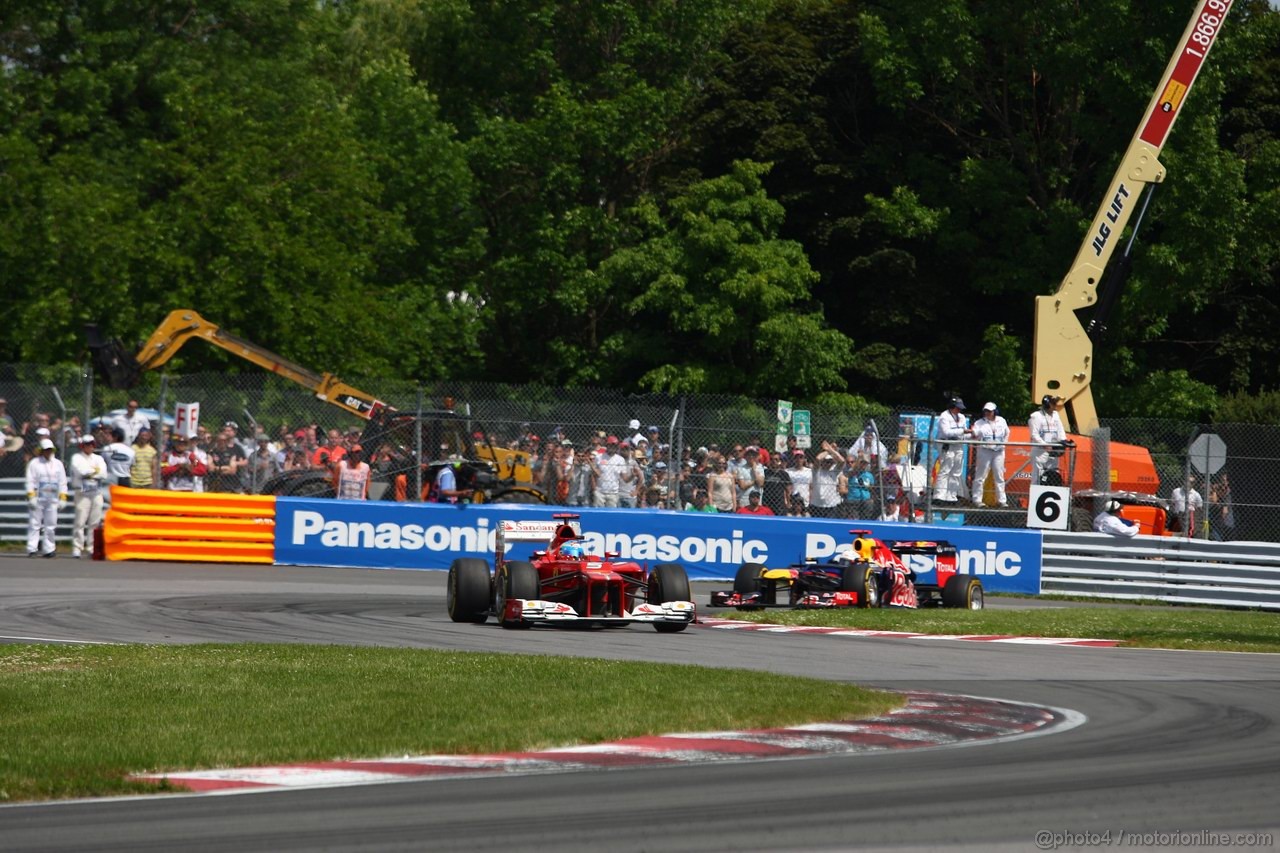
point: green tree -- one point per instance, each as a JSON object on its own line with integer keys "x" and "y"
{"x": 712, "y": 282}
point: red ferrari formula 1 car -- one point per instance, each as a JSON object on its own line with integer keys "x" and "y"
{"x": 564, "y": 584}
{"x": 869, "y": 573}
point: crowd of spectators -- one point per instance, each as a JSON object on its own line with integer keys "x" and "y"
{"x": 635, "y": 469}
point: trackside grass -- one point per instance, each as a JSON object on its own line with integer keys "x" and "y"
{"x": 75, "y": 720}
{"x": 1150, "y": 627}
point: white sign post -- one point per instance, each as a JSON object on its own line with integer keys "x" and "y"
{"x": 800, "y": 428}
{"x": 1048, "y": 507}
{"x": 1208, "y": 453}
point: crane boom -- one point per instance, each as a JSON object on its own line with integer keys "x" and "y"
{"x": 183, "y": 325}
{"x": 1063, "y": 351}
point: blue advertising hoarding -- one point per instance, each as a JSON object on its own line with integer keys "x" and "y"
{"x": 378, "y": 534}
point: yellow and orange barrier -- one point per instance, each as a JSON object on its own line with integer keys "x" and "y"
{"x": 205, "y": 527}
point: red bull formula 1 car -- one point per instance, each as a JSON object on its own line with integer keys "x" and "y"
{"x": 564, "y": 583}
{"x": 869, "y": 573}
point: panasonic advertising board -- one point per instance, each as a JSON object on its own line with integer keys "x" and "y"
{"x": 377, "y": 535}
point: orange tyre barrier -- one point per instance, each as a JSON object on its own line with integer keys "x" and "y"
{"x": 158, "y": 501}
{"x": 120, "y": 526}
{"x": 212, "y": 527}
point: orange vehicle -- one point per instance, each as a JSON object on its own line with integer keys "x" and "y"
{"x": 1131, "y": 467}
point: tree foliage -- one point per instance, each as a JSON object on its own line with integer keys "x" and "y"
{"x": 851, "y": 198}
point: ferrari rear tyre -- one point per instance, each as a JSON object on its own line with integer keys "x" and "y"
{"x": 516, "y": 579}
{"x": 962, "y": 592}
{"x": 668, "y": 582}
{"x": 467, "y": 595}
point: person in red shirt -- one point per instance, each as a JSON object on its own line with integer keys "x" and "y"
{"x": 753, "y": 505}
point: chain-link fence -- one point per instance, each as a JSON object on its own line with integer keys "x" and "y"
{"x": 672, "y": 446}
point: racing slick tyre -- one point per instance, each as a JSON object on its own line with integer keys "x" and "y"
{"x": 516, "y": 579}
{"x": 747, "y": 580}
{"x": 467, "y": 593}
{"x": 962, "y": 592}
{"x": 861, "y": 578}
{"x": 668, "y": 582}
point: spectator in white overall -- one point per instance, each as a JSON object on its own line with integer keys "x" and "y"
{"x": 953, "y": 427}
{"x": 1047, "y": 433}
{"x": 46, "y": 494}
{"x": 88, "y": 479}
{"x": 991, "y": 431}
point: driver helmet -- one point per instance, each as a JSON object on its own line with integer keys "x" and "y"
{"x": 574, "y": 550}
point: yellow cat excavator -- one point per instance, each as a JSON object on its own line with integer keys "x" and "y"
{"x": 491, "y": 474}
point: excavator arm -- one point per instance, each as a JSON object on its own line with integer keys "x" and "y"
{"x": 1063, "y": 348}
{"x": 122, "y": 369}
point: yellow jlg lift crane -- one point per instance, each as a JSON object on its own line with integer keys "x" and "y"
{"x": 1063, "y": 347}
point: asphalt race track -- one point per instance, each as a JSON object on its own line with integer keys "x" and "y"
{"x": 1175, "y": 742}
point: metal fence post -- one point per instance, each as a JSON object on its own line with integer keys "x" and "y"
{"x": 417, "y": 480}
{"x": 158, "y": 434}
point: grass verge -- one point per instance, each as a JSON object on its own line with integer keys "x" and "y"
{"x": 1149, "y": 627}
{"x": 76, "y": 720}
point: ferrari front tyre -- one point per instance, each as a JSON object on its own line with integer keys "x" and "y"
{"x": 467, "y": 595}
{"x": 516, "y": 579}
{"x": 962, "y": 592}
{"x": 668, "y": 582}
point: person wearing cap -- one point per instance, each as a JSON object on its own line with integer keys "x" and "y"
{"x": 226, "y": 461}
{"x": 131, "y": 422}
{"x": 891, "y": 509}
{"x": 88, "y": 478}
{"x": 952, "y": 429}
{"x": 1047, "y": 433}
{"x": 991, "y": 431}
{"x": 351, "y": 475}
{"x": 753, "y": 505}
{"x": 183, "y": 467}
{"x": 657, "y": 494}
{"x": 1110, "y": 521}
{"x": 46, "y": 494}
